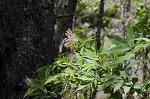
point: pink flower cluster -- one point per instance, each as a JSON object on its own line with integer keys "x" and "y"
{"x": 70, "y": 38}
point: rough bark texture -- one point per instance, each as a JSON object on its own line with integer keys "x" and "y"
{"x": 26, "y": 42}
{"x": 65, "y": 10}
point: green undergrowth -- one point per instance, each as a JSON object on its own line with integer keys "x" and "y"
{"x": 105, "y": 69}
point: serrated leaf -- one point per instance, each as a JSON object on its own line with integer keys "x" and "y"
{"x": 41, "y": 73}
{"x": 85, "y": 67}
{"x": 43, "y": 88}
{"x": 52, "y": 78}
{"x": 47, "y": 71}
{"x": 80, "y": 40}
{"x": 116, "y": 40}
{"x": 34, "y": 94}
{"x": 126, "y": 89}
{"x": 91, "y": 61}
{"x": 69, "y": 71}
{"x": 133, "y": 63}
{"x": 134, "y": 79}
{"x": 117, "y": 49}
{"x": 139, "y": 47}
{"x": 49, "y": 79}
{"x": 112, "y": 76}
{"x": 123, "y": 74}
{"x": 120, "y": 59}
{"x": 30, "y": 90}
{"x": 82, "y": 51}
{"x": 130, "y": 36}
{"x": 81, "y": 87}
{"x": 90, "y": 53}
{"x": 142, "y": 38}
{"x": 137, "y": 87}
{"x": 111, "y": 81}
{"x": 85, "y": 78}
{"x": 117, "y": 86}
{"x": 32, "y": 81}
{"x": 146, "y": 45}
{"x": 147, "y": 86}
{"x": 90, "y": 39}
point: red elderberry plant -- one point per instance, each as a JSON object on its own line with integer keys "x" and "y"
{"x": 70, "y": 38}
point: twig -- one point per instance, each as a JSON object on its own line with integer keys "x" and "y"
{"x": 64, "y": 15}
{"x": 100, "y": 24}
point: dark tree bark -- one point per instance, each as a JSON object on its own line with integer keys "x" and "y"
{"x": 65, "y": 11}
{"x": 26, "y": 42}
{"x": 100, "y": 24}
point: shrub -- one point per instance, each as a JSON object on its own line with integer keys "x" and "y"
{"x": 107, "y": 70}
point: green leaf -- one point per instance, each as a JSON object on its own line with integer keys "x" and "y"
{"x": 147, "y": 85}
{"x": 81, "y": 87}
{"x": 34, "y": 94}
{"x": 89, "y": 40}
{"x": 142, "y": 38}
{"x": 91, "y": 61}
{"x": 138, "y": 88}
{"x": 120, "y": 59}
{"x": 139, "y": 47}
{"x": 85, "y": 67}
{"x": 123, "y": 74}
{"x": 82, "y": 51}
{"x": 134, "y": 78}
{"x": 112, "y": 76}
{"x": 133, "y": 63}
{"x": 30, "y": 91}
{"x": 69, "y": 71}
{"x": 116, "y": 40}
{"x": 117, "y": 49}
{"x": 47, "y": 71}
{"x": 130, "y": 36}
{"x": 43, "y": 88}
{"x": 53, "y": 78}
{"x": 41, "y": 73}
{"x": 85, "y": 78}
{"x": 126, "y": 89}
{"x": 90, "y": 53}
{"x": 49, "y": 79}
{"x": 117, "y": 86}
{"x": 111, "y": 81}
{"x": 32, "y": 81}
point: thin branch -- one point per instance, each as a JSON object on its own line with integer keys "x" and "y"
{"x": 146, "y": 67}
{"x": 100, "y": 24}
{"x": 64, "y": 15}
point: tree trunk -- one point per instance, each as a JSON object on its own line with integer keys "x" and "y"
{"x": 65, "y": 10}
{"x": 26, "y": 42}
